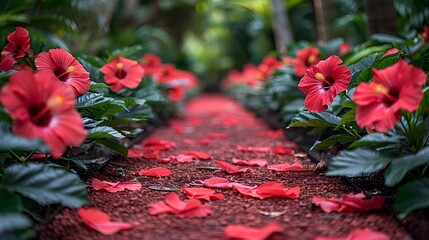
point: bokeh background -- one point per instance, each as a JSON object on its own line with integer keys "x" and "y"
{"x": 208, "y": 37}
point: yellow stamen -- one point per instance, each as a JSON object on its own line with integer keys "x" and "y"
{"x": 119, "y": 65}
{"x": 311, "y": 59}
{"x": 381, "y": 89}
{"x": 71, "y": 69}
{"x": 319, "y": 76}
{"x": 4, "y": 53}
{"x": 55, "y": 102}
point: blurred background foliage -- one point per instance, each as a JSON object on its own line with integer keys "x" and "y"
{"x": 208, "y": 37}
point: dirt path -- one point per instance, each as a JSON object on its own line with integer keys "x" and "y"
{"x": 217, "y": 114}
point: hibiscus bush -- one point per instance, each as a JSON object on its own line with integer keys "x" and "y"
{"x": 370, "y": 100}
{"x": 57, "y": 110}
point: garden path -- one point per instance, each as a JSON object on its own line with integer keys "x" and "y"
{"x": 205, "y": 115}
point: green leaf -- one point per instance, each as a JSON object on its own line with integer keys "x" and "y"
{"x": 110, "y": 143}
{"x": 399, "y": 167}
{"x": 45, "y": 185}
{"x": 377, "y": 140}
{"x": 413, "y": 195}
{"x": 9, "y": 202}
{"x": 125, "y": 52}
{"x": 385, "y": 38}
{"x": 331, "y": 141}
{"x": 356, "y": 162}
{"x": 95, "y": 85}
{"x": 103, "y": 132}
{"x": 91, "y": 100}
{"x": 78, "y": 163}
{"x": 366, "y": 52}
{"x": 10, "y": 222}
{"x": 90, "y": 123}
{"x": 349, "y": 116}
{"x": 9, "y": 141}
{"x": 309, "y": 119}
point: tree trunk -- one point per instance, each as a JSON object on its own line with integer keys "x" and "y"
{"x": 381, "y": 16}
{"x": 324, "y": 13}
{"x": 281, "y": 27}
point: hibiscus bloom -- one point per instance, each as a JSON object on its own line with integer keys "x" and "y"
{"x": 151, "y": 64}
{"x": 122, "y": 72}
{"x": 323, "y": 82}
{"x": 306, "y": 58}
{"x": 42, "y": 107}
{"x": 396, "y": 88}
{"x": 267, "y": 67}
{"x": 17, "y": 46}
{"x": 66, "y": 68}
{"x": 345, "y": 47}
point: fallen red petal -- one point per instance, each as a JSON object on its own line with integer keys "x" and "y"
{"x": 115, "y": 186}
{"x": 360, "y": 234}
{"x": 134, "y": 153}
{"x": 250, "y": 162}
{"x": 229, "y": 168}
{"x": 282, "y": 150}
{"x": 253, "y": 149}
{"x": 184, "y": 158}
{"x": 154, "y": 172}
{"x": 217, "y": 182}
{"x": 100, "y": 221}
{"x": 267, "y": 190}
{"x": 272, "y": 133}
{"x": 173, "y": 204}
{"x": 202, "y": 193}
{"x": 217, "y": 135}
{"x": 199, "y": 155}
{"x": 286, "y": 167}
{"x": 243, "y": 232}
{"x": 158, "y": 144}
{"x": 349, "y": 203}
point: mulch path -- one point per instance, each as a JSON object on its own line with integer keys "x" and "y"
{"x": 219, "y": 114}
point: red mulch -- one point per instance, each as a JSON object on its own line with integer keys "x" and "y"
{"x": 218, "y": 114}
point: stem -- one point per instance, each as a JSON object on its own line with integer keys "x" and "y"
{"x": 29, "y": 155}
{"x": 16, "y": 156}
{"x": 351, "y": 133}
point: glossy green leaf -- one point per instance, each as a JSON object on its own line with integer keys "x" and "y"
{"x": 332, "y": 140}
{"x": 114, "y": 145}
{"x": 413, "y": 195}
{"x": 377, "y": 140}
{"x": 103, "y": 132}
{"x": 309, "y": 119}
{"x": 399, "y": 167}
{"x": 91, "y": 100}
{"x": 45, "y": 185}
{"x": 356, "y": 162}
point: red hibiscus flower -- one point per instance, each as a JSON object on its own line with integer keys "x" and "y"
{"x": 17, "y": 46}
{"x": 306, "y": 58}
{"x": 122, "y": 72}
{"x": 392, "y": 89}
{"x": 66, "y": 68}
{"x": 151, "y": 64}
{"x": 323, "y": 82}
{"x": 267, "y": 67}
{"x": 42, "y": 108}
{"x": 345, "y": 48}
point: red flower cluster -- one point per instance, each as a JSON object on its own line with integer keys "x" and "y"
{"x": 323, "y": 82}
{"x": 16, "y": 48}
{"x": 396, "y": 88}
{"x": 252, "y": 76}
{"x": 177, "y": 81}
